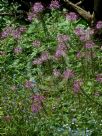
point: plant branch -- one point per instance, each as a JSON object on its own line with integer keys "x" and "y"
{"x": 6, "y": 14}
{"x": 83, "y": 13}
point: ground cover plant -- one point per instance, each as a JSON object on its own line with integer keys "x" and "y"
{"x": 51, "y": 76}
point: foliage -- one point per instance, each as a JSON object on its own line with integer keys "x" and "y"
{"x": 50, "y": 78}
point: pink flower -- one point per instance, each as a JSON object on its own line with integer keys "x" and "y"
{"x": 68, "y": 74}
{"x": 89, "y": 44}
{"x": 6, "y": 32}
{"x": 59, "y": 53}
{"x": 61, "y": 50}
{"x": 99, "y": 78}
{"x": 17, "y": 50}
{"x": 31, "y": 16}
{"x": 2, "y": 53}
{"x": 82, "y": 38}
{"x": 38, "y": 7}
{"x": 22, "y": 29}
{"x": 80, "y": 54}
{"x": 62, "y": 38}
{"x": 35, "y": 107}
{"x": 38, "y": 98}
{"x": 99, "y": 25}
{"x": 29, "y": 84}
{"x": 77, "y": 85}
{"x": 44, "y": 56}
{"x": 56, "y": 72}
{"x": 79, "y": 31}
{"x": 16, "y": 34}
{"x": 71, "y": 16}
{"x": 97, "y": 94}
{"x": 54, "y": 4}
{"x": 37, "y": 102}
{"x": 84, "y": 35}
{"x": 36, "y": 43}
{"x": 37, "y": 61}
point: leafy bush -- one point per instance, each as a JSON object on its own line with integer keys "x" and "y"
{"x": 50, "y": 77}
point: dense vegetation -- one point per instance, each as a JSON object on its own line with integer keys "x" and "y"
{"x": 51, "y": 74}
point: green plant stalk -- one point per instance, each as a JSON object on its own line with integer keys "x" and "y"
{"x": 44, "y": 27}
{"x": 90, "y": 98}
{"x": 92, "y": 64}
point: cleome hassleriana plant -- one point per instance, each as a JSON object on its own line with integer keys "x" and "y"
{"x": 51, "y": 76}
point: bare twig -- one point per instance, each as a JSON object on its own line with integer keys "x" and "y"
{"x": 83, "y": 13}
{"x": 78, "y": 3}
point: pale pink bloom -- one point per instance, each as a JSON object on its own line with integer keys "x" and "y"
{"x": 35, "y": 107}
{"x": 61, "y": 51}
{"x": 67, "y": 74}
{"x": 36, "y": 43}
{"x": 62, "y": 38}
{"x": 29, "y": 84}
{"x": 2, "y": 53}
{"x": 44, "y": 56}
{"x": 77, "y": 85}
{"x": 54, "y": 4}
{"x": 37, "y": 101}
{"x": 80, "y": 54}
{"x": 99, "y": 25}
{"x": 71, "y": 16}
{"x": 89, "y": 44}
{"x": 56, "y": 72}
{"x": 99, "y": 78}
{"x": 38, "y": 7}
{"x": 79, "y": 31}
{"x": 17, "y": 50}
{"x": 38, "y": 98}
{"x": 6, "y": 32}
{"x": 37, "y": 61}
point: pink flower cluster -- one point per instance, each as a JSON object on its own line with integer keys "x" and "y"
{"x": 77, "y": 85}
{"x": 56, "y": 72}
{"x": 36, "y": 43}
{"x": 17, "y": 50}
{"x": 60, "y": 51}
{"x": 10, "y": 31}
{"x": 6, "y": 32}
{"x": 71, "y": 16}
{"x": 29, "y": 84}
{"x": 43, "y": 58}
{"x": 62, "y": 45}
{"x": 36, "y": 9}
{"x": 31, "y": 16}
{"x": 2, "y": 53}
{"x": 67, "y": 74}
{"x": 63, "y": 38}
{"x": 99, "y": 78}
{"x": 54, "y": 4}
{"x": 37, "y": 101}
{"x": 84, "y": 35}
{"x": 99, "y": 25}
{"x": 89, "y": 44}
